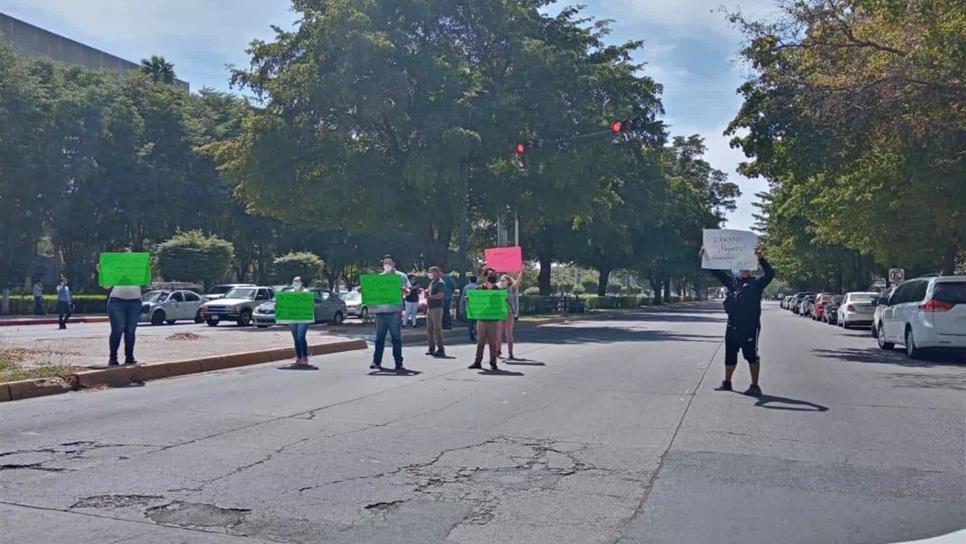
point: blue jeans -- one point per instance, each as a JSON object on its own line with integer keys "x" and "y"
{"x": 299, "y": 330}
{"x": 392, "y": 324}
{"x": 123, "y": 315}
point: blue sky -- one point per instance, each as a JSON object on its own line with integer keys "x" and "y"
{"x": 689, "y": 47}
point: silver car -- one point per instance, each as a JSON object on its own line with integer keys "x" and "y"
{"x": 858, "y": 308}
{"x": 329, "y": 308}
{"x": 163, "y": 306}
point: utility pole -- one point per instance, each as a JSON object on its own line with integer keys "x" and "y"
{"x": 464, "y": 219}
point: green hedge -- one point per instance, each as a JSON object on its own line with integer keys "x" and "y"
{"x": 83, "y": 304}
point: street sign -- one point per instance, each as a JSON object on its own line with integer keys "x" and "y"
{"x": 897, "y": 275}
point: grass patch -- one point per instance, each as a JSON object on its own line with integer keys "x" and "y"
{"x": 18, "y": 363}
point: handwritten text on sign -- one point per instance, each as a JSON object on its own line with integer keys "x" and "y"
{"x": 487, "y": 305}
{"x": 505, "y": 259}
{"x": 729, "y": 250}
{"x": 381, "y": 289}
{"x": 124, "y": 269}
{"x": 294, "y": 307}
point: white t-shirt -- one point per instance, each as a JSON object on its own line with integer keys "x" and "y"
{"x": 126, "y": 292}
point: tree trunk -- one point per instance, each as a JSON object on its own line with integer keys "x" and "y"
{"x": 949, "y": 259}
{"x": 667, "y": 289}
{"x": 543, "y": 279}
{"x": 602, "y": 280}
{"x": 437, "y": 243}
{"x": 657, "y": 288}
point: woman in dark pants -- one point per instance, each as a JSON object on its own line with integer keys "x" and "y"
{"x": 123, "y": 310}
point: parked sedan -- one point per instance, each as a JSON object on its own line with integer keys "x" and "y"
{"x": 219, "y": 291}
{"x": 163, "y": 306}
{"x": 329, "y": 308}
{"x": 805, "y": 307}
{"x": 354, "y": 306}
{"x": 857, "y": 309}
{"x": 925, "y": 313}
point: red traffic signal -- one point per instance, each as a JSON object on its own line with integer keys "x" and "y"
{"x": 616, "y": 127}
{"x": 520, "y": 149}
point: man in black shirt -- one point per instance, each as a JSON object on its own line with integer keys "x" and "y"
{"x": 743, "y": 306}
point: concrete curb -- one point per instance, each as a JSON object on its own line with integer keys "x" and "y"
{"x": 50, "y": 321}
{"x": 124, "y": 375}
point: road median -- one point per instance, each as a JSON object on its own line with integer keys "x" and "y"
{"x": 126, "y": 374}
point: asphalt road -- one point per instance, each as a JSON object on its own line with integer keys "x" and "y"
{"x": 609, "y": 432}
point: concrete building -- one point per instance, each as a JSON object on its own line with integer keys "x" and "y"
{"x": 35, "y": 41}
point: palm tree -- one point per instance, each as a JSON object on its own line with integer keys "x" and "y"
{"x": 158, "y": 68}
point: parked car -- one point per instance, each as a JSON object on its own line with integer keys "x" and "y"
{"x": 880, "y": 305}
{"x": 818, "y": 308}
{"x": 805, "y": 306}
{"x": 161, "y": 306}
{"x": 784, "y": 302}
{"x": 857, "y": 309}
{"x": 237, "y": 305}
{"x": 830, "y": 311}
{"x": 925, "y": 313}
{"x": 354, "y": 306}
{"x": 795, "y": 305}
{"x": 219, "y": 291}
{"x": 329, "y": 308}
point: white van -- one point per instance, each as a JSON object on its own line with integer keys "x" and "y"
{"x": 925, "y": 313}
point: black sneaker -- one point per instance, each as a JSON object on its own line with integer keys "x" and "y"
{"x": 725, "y": 386}
{"x": 132, "y": 362}
{"x": 431, "y": 353}
{"x": 375, "y": 366}
{"x": 401, "y": 369}
{"x": 493, "y": 366}
{"x": 112, "y": 363}
{"x": 440, "y": 354}
{"x": 475, "y": 366}
{"x": 753, "y": 391}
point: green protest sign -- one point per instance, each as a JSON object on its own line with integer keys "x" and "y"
{"x": 486, "y": 305}
{"x": 294, "y": 307}
{"x": 381, "y": 289}
{"x": 124, "y": 269}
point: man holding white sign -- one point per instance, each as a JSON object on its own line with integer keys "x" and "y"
{"x": 743, "y": 306}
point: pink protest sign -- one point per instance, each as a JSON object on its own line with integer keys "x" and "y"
{"x": 505, "y": 259}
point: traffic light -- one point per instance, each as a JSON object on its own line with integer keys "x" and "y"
{"x": 520, "y": 149}
{"x": 637, "y": 124}
{"x": 525, "y": 147}
{"x": 617, "y": 126}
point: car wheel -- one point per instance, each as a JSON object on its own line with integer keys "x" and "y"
{"x": 262, "y": 326}
{"x": 882, "y": 341}
{"x": 198, "y": 319}
{"x": 157, "y": 318}
{"x": 171, "y": 321}
{"x": 212, "y": 322}
{"x": 245, "y": 319}
{"x": 338, "y": 318}
{"x": 911, "y": 350}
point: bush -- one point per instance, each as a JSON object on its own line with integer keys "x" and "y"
{"x": 579, "y": 290}
{"x": 531, "y": 291}
{"x": 613, "y": 303}
{"x": 194, "y": 257}
{"x": 83, "y": 304}
{"x": 306, "y": 265}
{"x": 590, "y": 286}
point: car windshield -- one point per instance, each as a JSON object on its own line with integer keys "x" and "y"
{"x": 950, "y": 292}
{"x": 838, "y": 299}
{"x": 353, "y": 296}
{"x": 864, "y": 297}
{"x": 221, "y": 289}
{"x": 155, "y": 296}
{"x": 241, "y": 292}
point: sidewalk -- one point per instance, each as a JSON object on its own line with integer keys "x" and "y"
{"x": 49, "y": 319}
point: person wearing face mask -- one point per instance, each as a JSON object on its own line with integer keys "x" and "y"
{"x": 743, "y": 306}
{"x": 512, "y": 285}
{"x": 388, "y": 319}
{"x": 65, "y": 304}
{"x": 434, "y": 313}
{"x": 299, "y": 331}
{"x": 487, "y": 332}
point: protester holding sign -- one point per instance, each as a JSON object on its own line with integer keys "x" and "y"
{"x": 743, "y": 306}
{"x": 383, "y": 294}
{"x": 296, "y": 308}
{"x": 512, "y": 285}
{"x": 488, "y": 306}
{"x": 124, "y": 274}
{"x": 729, "y": 250}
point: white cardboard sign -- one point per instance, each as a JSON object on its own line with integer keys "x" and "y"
{"x": 726, "y": 249}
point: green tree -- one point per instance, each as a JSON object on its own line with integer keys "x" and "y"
{"x": 159, "y": 69}
{"x": 304, "y": 264}
{"x": 194, "y": 257}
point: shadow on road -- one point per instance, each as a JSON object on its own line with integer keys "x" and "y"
{"x": 500, "y": 373}
{"x": 880, "y": 356}
{"x": 563, "y": 334}
{"x": 298, "y": 367}
{"x": 791, "y": 405}
{"x": 524, "y": 362}
{"x": 390, "y": 372}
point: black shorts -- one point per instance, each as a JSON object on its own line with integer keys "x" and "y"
{"x": 745, "y": 341}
